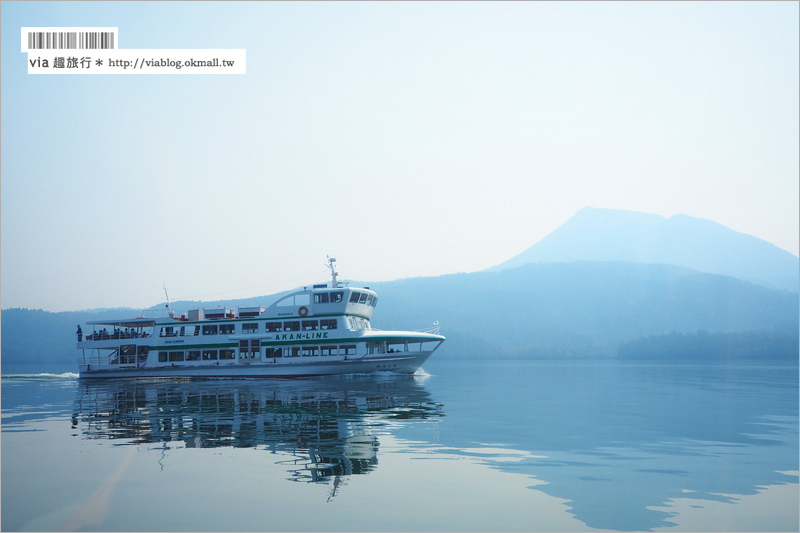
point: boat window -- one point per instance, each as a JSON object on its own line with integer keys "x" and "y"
{"x": 356, "y": 323}
{"x": 369, "y": 299}
{"x": 249, "y": 348}
{"x": 273, "y": 327}
{"x": 175, "y": 356}
{"x": 250, "y": 328}
{"x": 226, "y": 354}
{"x": 310, "y": 351}
{"x": 363, "y": 298}
{"x": 127, "y": 349}
{"x": 294, "y": 351}
{"x": 291, "y": 326}
{"x": 310, "y": 325}
{"x": 376, "y": 347}
{"x": 209, "y": 355}
{"x": 274, "y": 352}
{"x": 143, "y": 350}
{"x": 348, "y": 349}
{"x": 337, "y": 297}
{"x": 354, "y": 297}
{"x": 396, "y": 346}
{"x": 162, "y": 357}
{"x": 193, "y": 355}
{"x": 327, "y": 323}
{"x": 227, "y": 329}
{"x": 374, "y": 301}
{"x": 210, "y": 330}
{"x": 168, "y": 331}
{"x": 330, "y": 350}
{"x": 321, "y": 298}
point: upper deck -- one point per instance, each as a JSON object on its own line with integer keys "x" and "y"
{"x": 319, "y": 301}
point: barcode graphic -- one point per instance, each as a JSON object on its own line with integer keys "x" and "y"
{"x": 83, "y": 40}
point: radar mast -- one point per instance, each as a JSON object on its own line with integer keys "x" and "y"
{"x": 335, "y": 282}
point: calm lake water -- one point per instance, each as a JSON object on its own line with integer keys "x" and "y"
{"x": 477, "y": 446}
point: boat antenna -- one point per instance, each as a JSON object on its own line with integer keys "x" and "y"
{"x": 169, "y": 309}
{"x": 335, "y": 282}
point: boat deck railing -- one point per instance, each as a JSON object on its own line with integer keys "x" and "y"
{"x": 432, "y": 330}
{"x": 112, "y": 359}
{"x": 104, "y": 335}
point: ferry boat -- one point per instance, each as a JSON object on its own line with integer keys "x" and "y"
{"x": 321, "y": 330}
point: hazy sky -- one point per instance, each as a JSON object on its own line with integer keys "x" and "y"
{"x": 405, "y": 139}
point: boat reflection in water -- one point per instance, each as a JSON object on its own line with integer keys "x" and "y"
{"x": 324, "y": 425}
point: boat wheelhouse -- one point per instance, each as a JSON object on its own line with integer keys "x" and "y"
{"x": 321, "y": 330}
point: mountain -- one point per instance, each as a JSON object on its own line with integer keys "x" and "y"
{"x": 577, "y": 309}
{"x": 594, "y": 234}
{"x": 580, "y": 309}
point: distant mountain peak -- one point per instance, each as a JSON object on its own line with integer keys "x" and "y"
{"x": 598, "y": 234}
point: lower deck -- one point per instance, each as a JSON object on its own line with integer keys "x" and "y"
{"x": 234, "y": 359}
{"x": 404, "y": 362}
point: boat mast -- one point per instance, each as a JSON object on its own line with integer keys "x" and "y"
{"x": 331, "y": 261}
{"x": 170, "y": 312}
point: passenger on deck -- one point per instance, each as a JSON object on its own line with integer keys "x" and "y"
{"x": 79, "y": 333}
